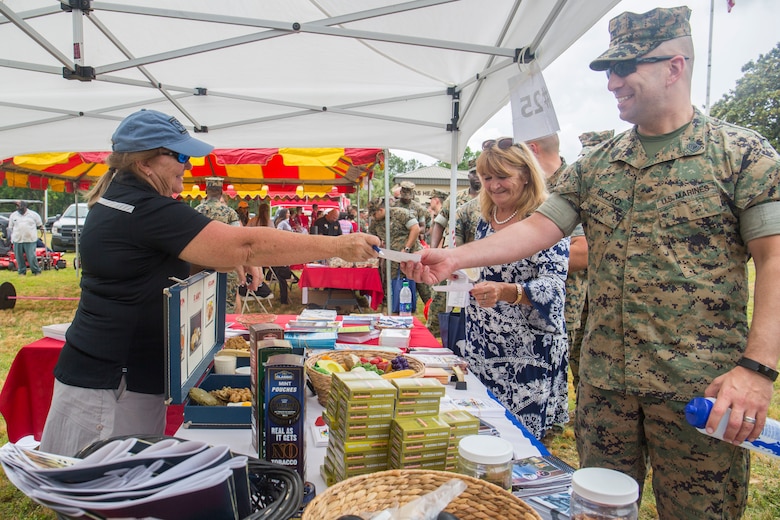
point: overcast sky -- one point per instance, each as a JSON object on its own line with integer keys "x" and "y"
{"x": 580, "y": 96}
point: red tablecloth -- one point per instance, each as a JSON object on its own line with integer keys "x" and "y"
{"x": 26, "y": 395}
{"x": 363, "y": 279}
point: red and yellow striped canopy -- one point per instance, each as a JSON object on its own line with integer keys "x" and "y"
{"x": 279, "y": 172}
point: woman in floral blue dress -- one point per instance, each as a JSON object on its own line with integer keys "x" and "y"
{"x": 516, "y": 340}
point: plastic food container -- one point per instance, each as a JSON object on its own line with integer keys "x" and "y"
{"x": 488, "y": 458}
{"x": 604, "y": 494}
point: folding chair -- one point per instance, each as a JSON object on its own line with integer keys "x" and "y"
{"x": 245, "y": 300}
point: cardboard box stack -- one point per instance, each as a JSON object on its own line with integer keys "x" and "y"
{"x": 461, "y": 423}
{"x": 377, "y": 424}
{"x": 358, "y": 413}
{"x": 418, "y": 439}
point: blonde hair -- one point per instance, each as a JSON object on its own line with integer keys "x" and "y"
{"x": 503, "y": 164}
{"x": 119, "y": 161}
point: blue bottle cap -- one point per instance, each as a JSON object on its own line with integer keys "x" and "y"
{"x": 697, "y": 411}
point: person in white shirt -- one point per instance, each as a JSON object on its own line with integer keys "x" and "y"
{"x": 23, "y": 226}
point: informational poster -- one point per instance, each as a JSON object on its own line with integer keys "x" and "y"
{"x": 185, "y": 329}
{"x": 209, "y": 335}
{"x": 195, "y": 318}
{"x": 533, "y": 114}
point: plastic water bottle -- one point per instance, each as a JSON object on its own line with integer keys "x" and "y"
{"x": 405, "y": 301}
{"x": 697, "y": 411}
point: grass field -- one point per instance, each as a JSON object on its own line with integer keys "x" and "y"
{"x": 22, "y": 325}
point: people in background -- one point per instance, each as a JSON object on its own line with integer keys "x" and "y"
{"x": 295, "y": 221}
{"x": 515, "y": 326}
{"x": 282, "y": 220}
{"x": 214, "y": 207}
{"x": 303, "y": 218}
{"x": 110, "y": 376}
{"x": 315, "y": 214}
{"x": 23, "y": 226}
{"x": 263, "y": 217}
{"x": 406, "y": 200}
{"x": 466, "y": 223}
{"x": 672, "y": 209}
{"x": 328, "y": 224}
{"x": 242, "y": 210}
{"x": 404, "y": 230}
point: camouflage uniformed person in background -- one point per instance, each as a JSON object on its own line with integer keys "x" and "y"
{"x": 434, "y": 208}
{"x": 464, "y": 229}
{"x": 404, "y": 230}
{"x": 577, "y": 282}
{"x": 406, "y": 200}
{"x": 672, "y": 209}
{"x": 213, "y": 207}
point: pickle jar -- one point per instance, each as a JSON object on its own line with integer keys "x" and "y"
{"x": 603, "y": 494}
{"x": 488, "y": 458}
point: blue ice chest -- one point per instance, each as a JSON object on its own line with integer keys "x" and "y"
{"x": 197, "y": 416}
{"x": 195, "y": 332}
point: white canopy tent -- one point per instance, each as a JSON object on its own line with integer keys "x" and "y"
{"x": 421, "y": 75}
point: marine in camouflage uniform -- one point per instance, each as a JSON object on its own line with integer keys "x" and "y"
{"x": 406, "y": 201}
{"x": 402, "y": 223}
{"x": 668, "y": 234}
{"x": 671, "y": 222}
{"x": 215, "y": 209}
{"x": 439, "y": 301}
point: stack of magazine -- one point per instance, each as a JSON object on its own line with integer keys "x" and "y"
{"x": 544, "y": 482}
{"x": 166, "y": 480}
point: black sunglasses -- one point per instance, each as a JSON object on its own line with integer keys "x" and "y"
{"x": 502, "y": 143}
{"x": 178, "y": 156}
{"x": 626, "y": 67}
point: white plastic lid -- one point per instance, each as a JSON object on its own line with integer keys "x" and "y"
{"x": 605, "y": 486}
{"x": 486, "y": 449}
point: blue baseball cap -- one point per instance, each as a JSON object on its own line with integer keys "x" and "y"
{"x": 150, "y": 129}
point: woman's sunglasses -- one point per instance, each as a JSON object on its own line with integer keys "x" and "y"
{"x": 625, "y": 68}
{"x": 178, "y": 156}
{"x": 502, "y": 143}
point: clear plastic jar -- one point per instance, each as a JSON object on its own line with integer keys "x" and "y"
{"x": 488, "y": 458}
{"x": 603, "y": 494}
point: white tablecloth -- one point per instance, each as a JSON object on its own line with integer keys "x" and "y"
{"x": 239, "y": 440}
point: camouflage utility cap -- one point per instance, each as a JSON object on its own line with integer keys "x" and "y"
{"x": 594, "y": 138}
{"x": 375, "y": 205}
{"x": 633, "y": 35}
{"x": 214, "y": 182}
{"x": 407, "y": 186}
{"x": 438, "y": 194}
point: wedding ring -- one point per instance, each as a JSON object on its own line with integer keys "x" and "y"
{"x": 749, "y": 420}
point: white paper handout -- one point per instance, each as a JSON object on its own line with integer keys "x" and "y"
{"x": 398, "y": 256}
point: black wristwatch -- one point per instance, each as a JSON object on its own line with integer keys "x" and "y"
{"x": 407, "y": 249}
{"x": 755, "y": 366}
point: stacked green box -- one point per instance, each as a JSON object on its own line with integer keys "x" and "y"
{"x": 358, "y": 413}
{"x": 462, "y": 423}
{"x": 418, "y": 397}
{"x": 419, "y": 443}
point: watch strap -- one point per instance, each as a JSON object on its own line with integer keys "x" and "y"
{"x": 755, "y": 366}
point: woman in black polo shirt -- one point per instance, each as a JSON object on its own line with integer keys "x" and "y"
{"x": 110, "y": 374}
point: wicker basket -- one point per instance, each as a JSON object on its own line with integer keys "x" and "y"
{"x": 321, "y": 381}
{"x": 376, "y": 492}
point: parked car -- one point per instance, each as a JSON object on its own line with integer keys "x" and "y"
{"x": 4, "y": 227}
{"x": 50, "y": 222}
{"x": 63, "y": 231}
